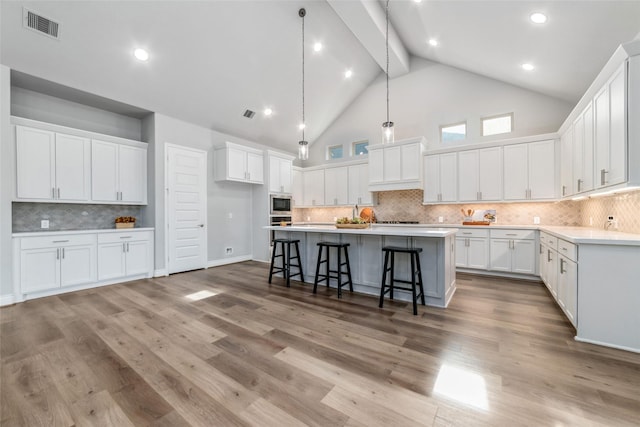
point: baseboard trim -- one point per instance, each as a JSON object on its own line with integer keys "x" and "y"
{"x": 606, "y": 344}
{"x": 225, "y": 261}
{"x": 161, "y": 273}
{"x": 6, "y": 300}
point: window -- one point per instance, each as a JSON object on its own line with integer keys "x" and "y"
{"x": 497, "y": 124}
{"x": 334, "y": 152}
{"x": 359, "y": 148}
{"x": 455, "y": 132}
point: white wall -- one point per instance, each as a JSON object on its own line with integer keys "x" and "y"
{"x": 37, "y": 106}
{"x": 223, "y": 197}
{"x": 431, "y": 95}
{"x": 6, "y": 184}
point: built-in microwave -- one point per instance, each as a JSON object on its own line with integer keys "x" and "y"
{"x": 280, "y": 205}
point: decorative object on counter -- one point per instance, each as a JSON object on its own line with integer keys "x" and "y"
{"x": 480, "y": 217}
{"x": 387, "y": 127}
{"x": 125, "y": 222}
{"x": 303, "y": 146}
{"x": 345, "y": 222}
{"x": 367, "y": 215}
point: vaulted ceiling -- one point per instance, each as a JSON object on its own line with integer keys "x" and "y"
{"x": 211, "y": 60}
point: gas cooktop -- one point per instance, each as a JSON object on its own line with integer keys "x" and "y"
{"x": 398, "y": 222}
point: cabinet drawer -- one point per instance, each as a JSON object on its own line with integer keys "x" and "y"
{"x": 57, "y": 241}
{"x": 513, "y": 234}
{"x": 567, "y": 249}
{"x": 549, "y": 240}
{"x": 124, "y": 236}
{"x": 464, "y": 232}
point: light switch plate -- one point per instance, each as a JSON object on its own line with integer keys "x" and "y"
{"x": 44, "y": 223}
{"x": 440, "y": 219}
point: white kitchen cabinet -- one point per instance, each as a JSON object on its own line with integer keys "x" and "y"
{"x": 297, "y": 188}
{"x": 480, "y": 174}
{"x": 568, "y": 288}
{"x": 235, "y": 162}
{"x": 126, "y": 253}
{"x": 336, "y": 182}
{"x": 51, "y": 166}
{"x": 313, "y": 183}
{"x": 566, "y": 165}
{"x": 280, "y": 174}
{"x": 583, "y": 165}
{"x": 53, "y": 262}
{"x": 610, "y": 131}
{"x": 529, "y": 171}
{"x": 396, "y": 166}
{"x": 472, "y": 249}
{"x": 358, "y": 187}
{"x": 513, "y": 251}
{"x": 118, "y": 172}
{"x": 440, "y": 178}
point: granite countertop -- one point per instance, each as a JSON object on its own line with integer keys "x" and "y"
{"x": 67, "y": 232}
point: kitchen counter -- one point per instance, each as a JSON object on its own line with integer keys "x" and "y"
{"x": 366, "y": 258}
{"x": 68, "y": 232}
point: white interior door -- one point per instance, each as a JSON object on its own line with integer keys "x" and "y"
{"x": 186, "y": 208}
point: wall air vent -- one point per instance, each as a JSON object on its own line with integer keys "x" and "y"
{"x": 249, "y": 114}
{"x": 40, "y": 24}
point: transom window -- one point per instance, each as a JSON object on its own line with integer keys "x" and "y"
{"x": 360, "y": 148}
{"x": 334, "y": 152}
{"x": 497, "y": 124}
{"x": 454, "y": 132}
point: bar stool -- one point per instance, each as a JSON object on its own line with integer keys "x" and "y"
{"x": 286, "y": 260}
{"x": 414, "y": 254}
{"x": 338, "y": 272}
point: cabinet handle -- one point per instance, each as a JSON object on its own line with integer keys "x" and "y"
{"x": 53, "y": 193}
{"x": 511, "y": 234}
{"x": 62, "y": 253}
{"x": 124, "y": 246}
{"x": 579, "y": 185}
{"x": 468, "y": 242}
{"x": 58, "y": 253}
{"x": 564, "y": 190}
{"x": 58, "y": 192}
{"x": 548, "y": 255}
{"x": 125, "y": 237}
{"x": 60, "y": 241}
{"x": 540, "y": 247}
{"x": 562, "y": 266}
{"x": 127, "y": 246}
{"x": 564, "y": 249}
{"x": 603, "y": 172}
{"x": 467, "y": 232}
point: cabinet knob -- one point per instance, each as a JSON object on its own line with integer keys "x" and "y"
{"x": 201, "y": 225}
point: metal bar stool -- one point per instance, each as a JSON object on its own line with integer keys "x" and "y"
{"x": 414, "y": 254}
{"x": 338, "y": 272}
{"x": 285, "y": 254}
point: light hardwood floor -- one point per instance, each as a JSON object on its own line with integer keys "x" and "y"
{"x": 248, "y": 353}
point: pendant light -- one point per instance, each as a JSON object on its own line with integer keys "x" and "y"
{"x": 387, "y": 127}
{"x": 303, "y": 145}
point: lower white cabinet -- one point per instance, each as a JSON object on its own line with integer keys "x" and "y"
{"x": 54, "y": 262}
{"x": 513, "y": 251}
{"x": 472, "y": 249}
{"x": 559, "y": 272}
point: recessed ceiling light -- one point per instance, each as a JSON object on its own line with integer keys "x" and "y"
{"x": 538, "y": 18}
{"x": 301, "y": 126}
{"x": 433, "y": 42}
{"x": 268, "y": 111}
{"x": 348, "y": 74}
{"x": 317, "y": 47}
{"x": 141, "y": 54}
{"x": 417, "y": 1}
{"x": 527, "y": 67}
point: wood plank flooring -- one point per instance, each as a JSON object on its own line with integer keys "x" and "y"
{"x": 222, "y": 347}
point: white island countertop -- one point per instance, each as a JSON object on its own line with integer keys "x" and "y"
{"x": 377, "y": 230}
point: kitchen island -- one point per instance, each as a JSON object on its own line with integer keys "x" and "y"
{"x": 365, "y": 254}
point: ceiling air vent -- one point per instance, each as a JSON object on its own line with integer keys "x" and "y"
{"x": 249, "y": 114}
{"x": 40, "y": 24}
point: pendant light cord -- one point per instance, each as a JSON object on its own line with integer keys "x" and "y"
{"x": 387, "y": 47}
{"x": 303, "y": 121}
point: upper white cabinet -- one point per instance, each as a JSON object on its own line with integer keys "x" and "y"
{"x": 313, "y": 183}
{"x": 480, "y": 174}
{"x": 51, "y": 166}
{"x": 280, "y": 177}
{"x": 396, "y": 166}
{"x": 336, "y": 191}
{"x": 119, "y": 173}
{"x": 296, "y": 187}
{"x": 440, "y": 178}
{"x": 566, "y": 157}
{"x": 610, "y": 130}
{"x": 358, "y": 187}
{"x": 529, "y": 171}
{"x": 236, "y": 162}
{"x": 583, "y": 151}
